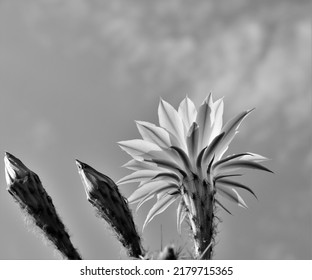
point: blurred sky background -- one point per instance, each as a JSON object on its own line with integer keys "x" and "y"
{"x": 74, "y": 75}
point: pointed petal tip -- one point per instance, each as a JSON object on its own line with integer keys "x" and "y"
{"x": 220, "y": 100}
{"x": 267, "y": 169}
{"x": 121, "y": 143}
{"x": 138, "y": 122}
{"x": 208, "y": 99}
{"x": 124, "y": 165}
{"x": 250, "y": 110}
{"x": 243, "y": 205}
{"x": 163, "y": 102}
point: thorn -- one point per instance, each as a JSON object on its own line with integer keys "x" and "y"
{"x": 161, "y": 238}
{"x": 203, "y": 253}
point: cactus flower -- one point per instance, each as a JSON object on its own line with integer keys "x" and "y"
{"x": 183, "y": 160}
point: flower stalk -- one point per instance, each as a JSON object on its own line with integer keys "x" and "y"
{"x": 26, "y": 188}
{"x": 200, "y": 205}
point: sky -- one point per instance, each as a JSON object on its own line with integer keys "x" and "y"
{"x": 75, "y": 75}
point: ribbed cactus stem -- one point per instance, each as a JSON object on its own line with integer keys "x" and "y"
{"x": 199, "y": 201}
{"x": 25, "y": 186}
{"x": 104, "y": 195}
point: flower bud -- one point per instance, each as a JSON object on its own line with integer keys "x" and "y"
{"x": 26, "y": 188}
{"x": 104, "y": 195}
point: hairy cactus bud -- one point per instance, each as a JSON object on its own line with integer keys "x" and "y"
{"x": 26, "y": 188}
{"x": 104, "y": 195}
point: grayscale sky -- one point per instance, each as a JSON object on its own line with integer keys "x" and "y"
{"x": 74, "y": 75}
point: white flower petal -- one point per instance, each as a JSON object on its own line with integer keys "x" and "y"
{"x": 149, "y": 189}
{"x": 210, "y": 151}
{"x": 163, "y": 193}
{"x": 225, "y": 175}
{"x": 160, "y": 206}
{"x": 181, "y": 214}
{"x": 254, "y": 157}
{"x": 230, "y": 130}
{"x": 187, "y": 111}
{"x": 142, "y": 201}
{"x": 138, "y": 147}
{"x": 204, "y": 122}
{"x": 242, "y": 164}
{"x": 168, "y": 155}
{"x": 170, "y": 120}
{"x": 184, "y": 158}
{"x": 169, "y": 165}
{"x": 154, "y": 134}
{"x": 230, "y": 184}
{"x": 224, "y": 145}
{"x": 136, "y": 164}
{"x": 192, "y": 142}
{"x": 137, "y": 176}
{"x": 167, "y": 176}
{"x": 216, "y": 166}
{"x": 217, "y": 119}
{"x": 232, "y": 195}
